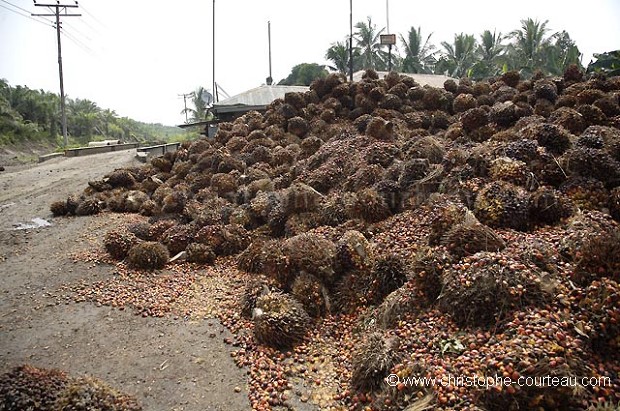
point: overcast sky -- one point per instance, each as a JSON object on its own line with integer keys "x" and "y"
{"x": 136, "y": 56}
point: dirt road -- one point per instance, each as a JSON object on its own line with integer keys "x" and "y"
{"x": 167, "y": 363}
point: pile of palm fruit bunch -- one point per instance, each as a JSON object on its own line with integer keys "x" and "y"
{"x": 456, "y": 231}
{"x": 29, "y": 388}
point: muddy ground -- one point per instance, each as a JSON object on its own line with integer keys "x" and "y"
{"x": 169, "y": 363}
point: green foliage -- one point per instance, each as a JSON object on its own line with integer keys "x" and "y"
{"x": 368, "y": 39}
{"x": 34, "y": 115}
{"x": 457, "y": 57}
{"x": 526, "y": 50}
{"x": 419, "y": 53}
{"x": 200, "y": 111}
{"x": 303, "y": 74}
{"x": 608, "y": 63}
{"x": 338, "y": 54}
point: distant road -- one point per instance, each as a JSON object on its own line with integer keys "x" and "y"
{"x": 26, "y": 193}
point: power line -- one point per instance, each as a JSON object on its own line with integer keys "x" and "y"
{"x": 92, "y": 16}
{"x": 72, "y": 27}
{"x": 47, "y": 23}
{"x": 76, "y": 41}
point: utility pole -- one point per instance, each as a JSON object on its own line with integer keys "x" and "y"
{"x": 56, "y": 9}
{"x": 269, "y": 79}
{"x": 185, "y": 104}
{"x": 214, "y": 85}
{"x": 351, "y": 41}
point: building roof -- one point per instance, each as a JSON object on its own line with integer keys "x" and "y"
{"x": 255, "y": 99}
{"x": 433, "y": 80}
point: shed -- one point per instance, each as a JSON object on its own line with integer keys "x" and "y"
{"x": 255, "y": 99}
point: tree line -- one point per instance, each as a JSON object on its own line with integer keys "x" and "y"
{"x": 27, "y": 114}
{"x": 527, "y": 49}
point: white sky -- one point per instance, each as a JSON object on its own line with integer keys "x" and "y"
{"x": 138, "y": 55}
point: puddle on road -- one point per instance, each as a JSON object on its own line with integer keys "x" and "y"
{"x": 35, "y": 223}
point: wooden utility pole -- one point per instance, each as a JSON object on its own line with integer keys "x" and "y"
{"x": 351, "y": 41}
{"x": 55, "y": 11}
{"x": 185, "y": 104}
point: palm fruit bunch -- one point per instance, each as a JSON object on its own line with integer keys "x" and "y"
{"x": 121, "y": 178}
{"x": 28, "y": 388}
{"x": 253, "y": 289}
{"x": 481, "y": 288}
{"x": 502, "y": 204}
{"x": 507, "y": 169}
{"x": 470, "y": 237}
{"x": 354, "y": 251}
{"x": 388, "y": 273}
{"x": 118, "y": 243}
{"x": 88, "y": 206}
{"x": 279, "y": 320}
{"x": 427, "y": 270}
{"x": 597, "y": 309}
{"x": 373, "y": 360}
{"x": 599, "y": 256}
{"x": 178, "y": 237}
{"x": 200, "y": 253}
{"x": 267, "y": 257}
{"x": 586, "y": 193}
{"x": 312, "y": 254}
{"x": 549, "y": 206}
{"x": 398, "y": 305}
{"x": 224, "y": 239}
{"x": 148, "y": 255}
{"x": 448, "y": 215}
{"x": 92, "y": 394}
{"x": 312, "y": 294}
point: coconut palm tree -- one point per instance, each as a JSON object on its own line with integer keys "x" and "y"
{"x": 458, "y": 57}
{"x": 368, "y": 41}
{"x": 489, "y": 55}
{"x": 419, "y": 52}
{"x": 529, "y": 46}
{"x": 199, "y": 112}
{"x": 338, "y": 54}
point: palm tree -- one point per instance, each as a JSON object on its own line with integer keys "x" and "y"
{"x": 459, "y": 57}
{"x": 527, "y": 51}
{"x": 338, "y": 54}
{"x": 489, "y": 55}
{"x": 419, "y": 54}
{"x": 368, "y": 41}
{"x": 199, "y": 112}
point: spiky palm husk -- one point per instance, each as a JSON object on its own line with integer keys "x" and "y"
{"x": 599, "y": 256}
{"x": 481, "y": 289}
{"x": 279, "y": 320}
{"x": 121, "y": 178}
{"x": 471, "y": 237}
{"x": 501, "y": 204}
{"x": 28, "y": 388}
{"x": 354, "y": 251}
{"x": 59, "y": 208}
{"x": 118, "y": 243}
{"x": 388, "y": 273}
{"x": 312, "y": 294}
{"x": 178, "y": 237}
{"x": 549, "y": 206}
{"x": 254, "y": 288}
{"x": 312, "y": 254}
{"x": 84, "y": 394}
{"x": 200, "y": 253}
{"x": 372, "y": 361}
{"x": 148, "y": 255}
{"x": 88, "y": 206}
